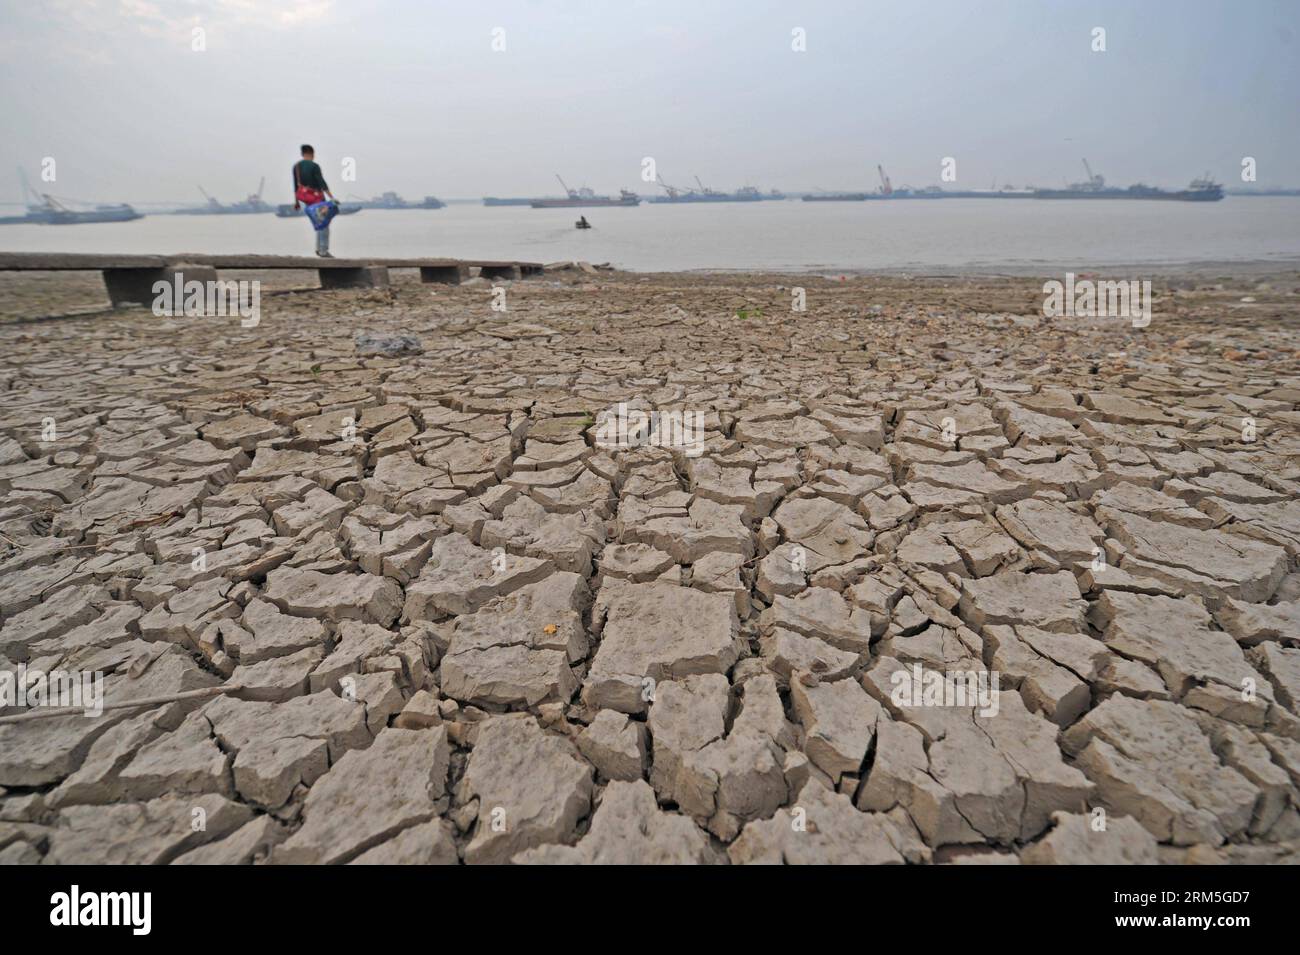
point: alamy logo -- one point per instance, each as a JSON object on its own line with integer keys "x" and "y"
{"x": 103, "y": 908}
{"x": 25, "y": 688}
{"x": 966, "y": 689}
{"x": 626, "y": 427}
{"x": 195, "y": 299}
{"x": 1088, "y": 299}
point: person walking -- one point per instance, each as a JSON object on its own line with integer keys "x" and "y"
{"x": 309, "y": 188}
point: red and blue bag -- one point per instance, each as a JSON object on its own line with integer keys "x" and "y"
{"x": 307, "y": 195}
{"x": 320, "y": 213}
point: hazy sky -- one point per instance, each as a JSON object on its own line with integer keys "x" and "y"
{"x": 415, "y": 93}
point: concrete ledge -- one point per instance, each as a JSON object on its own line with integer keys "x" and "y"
{"x": 81, "y": 262}
{"x": 130, "y": 279}
{"x": 135, "y": 286}
{"x": 444, "y": 274}
{"x": 371, "y": 276}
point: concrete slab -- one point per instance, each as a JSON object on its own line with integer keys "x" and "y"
{"x": 138, "y": 286}
{"x": 371, "y": 276}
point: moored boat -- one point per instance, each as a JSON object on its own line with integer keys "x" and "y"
{"x": 583, "y": 198}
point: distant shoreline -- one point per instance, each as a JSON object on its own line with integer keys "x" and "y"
{"x": 1226, "y": 268}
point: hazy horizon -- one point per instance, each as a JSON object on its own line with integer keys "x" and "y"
{"x": 419, "y": 98}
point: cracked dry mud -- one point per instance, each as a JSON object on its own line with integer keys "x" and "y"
{"x": 468, "y": 634}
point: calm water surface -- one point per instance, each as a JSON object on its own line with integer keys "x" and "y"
{"x": 969, "y": 234}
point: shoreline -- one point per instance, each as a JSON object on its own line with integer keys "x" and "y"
{"x": 41, "y": 296}
{"x": 1145, "y": 269}
{"x": 1231, "y": 267}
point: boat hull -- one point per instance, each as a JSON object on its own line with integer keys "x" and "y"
{"x": 73, "y": 218}
{"x": 1184, "y": 195}
{"x": 232, "y": 211}
{"x": 683, "y": 200}
{"x": 582, "y": 203}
